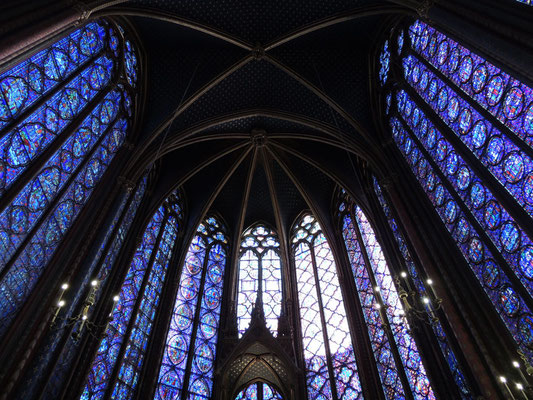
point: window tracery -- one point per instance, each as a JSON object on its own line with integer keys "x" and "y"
{"x": 328, "y": 351}
{"x": 259, "y": 272}
{"x": 190, "y": 350}
{"x": 64, "y": 114}
{"x": 465, "y": 129}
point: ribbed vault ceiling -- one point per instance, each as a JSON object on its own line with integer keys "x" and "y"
{"x": 258, "y": 109}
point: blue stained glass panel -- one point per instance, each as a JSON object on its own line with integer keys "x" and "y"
{"x": 318, "y": 286}
{"x": 203, "y": 363}
{"x": 407, "y": 348}
{"x": 27, "y": 268}
{"x": 384, "y": 60}
{"x": 503, "y": 230}
{"x": 24, "y": 84}
{"x": 199, "y": 293}
{"x": 475, "y": 252}
{"x": 130, "y": 60}
{"x": 131, "y": 364}
{"x": 505, "y": 97}
{"x": 106, "y": 357}
{"x": 484, "y": 139}
{"x": 390, "y": 380}
{"x": 18, "y": 219}
{"x": 445, "y": 346}
{"x": 20, "y": 145}
{"x": 318, "y": 383}
{"x": 64, "y": 363}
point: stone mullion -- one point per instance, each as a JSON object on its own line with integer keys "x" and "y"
{"x": 74, "y": 383}
{"x": 411, "y": 203}
{"x": 150, "y": 371}
{"x": 441, "y": 379}
{"x": 496, "y": 188}
{"x": 496, "y": 254}
{"x": 196, "y": 322}
{"x": 384, "y": 318}
{"x": 58, "y": 196}
{"x": 450, "y": 335}
{"x": 329, "y": 359}
{"x": 135, "y": 311}
{"x": 367, "y": 368}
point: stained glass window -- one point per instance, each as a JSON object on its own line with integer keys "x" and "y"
{"x": 190, "y": 352}
{"x": 465, "y": 128}
{"x": 259, "y": 273}
{"x": 328, "y": 351}
{"x": 63, "y": 114}
{"x": 99, "y": 269}
{"x": 422, "y": 291}
{"x": 253, "y": 392}
{"x": 388, "y": 328}
{"x": 125, "y": 339}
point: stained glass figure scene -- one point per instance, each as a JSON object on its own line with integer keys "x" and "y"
{"x": 252, "y": 392}
{"x": 382, "y": 307}
{"x": 62, "y": 115}
{"x": 259, "y": 275}
{"x": 465, "y": 129}
{"x": 328, "y": 349}
{"x": 190, "y": 349}
{"x": 423, "y": 289}
{"x": 122, "y": 348}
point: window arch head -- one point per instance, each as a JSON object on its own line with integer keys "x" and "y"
{"x": 65, "y": 112}
{"x": 259, "y": 275}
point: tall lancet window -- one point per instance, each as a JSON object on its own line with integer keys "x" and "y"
{"x": 465, "y": 129}
{"x": 259, "y": 277}
{"x": 121, "y": 351}
{"x": 64, "y": 114}
{"x": 395, "y": 351}
{"x": 187, "y": 368}
{"x": 330, "y": 364}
